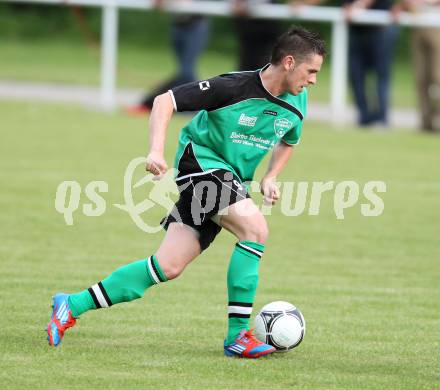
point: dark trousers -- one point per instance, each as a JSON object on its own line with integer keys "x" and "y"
{"x": 371, "y": 52}
{"x": 256, "y": 38}
{"x": 426, "y": 61}
{"x": 189, "y": 40}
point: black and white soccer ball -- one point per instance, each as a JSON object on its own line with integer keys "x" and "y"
{"x": 281, "y": 325}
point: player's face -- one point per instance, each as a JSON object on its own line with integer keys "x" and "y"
{"x": 303, "y": 74}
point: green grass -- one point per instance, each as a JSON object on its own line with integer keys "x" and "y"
{"x": 368, "y": 287}
{"x": 54, "y": 61}
{"x": 71, "y": 61}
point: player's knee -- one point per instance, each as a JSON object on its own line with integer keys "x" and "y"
{"x": 262, "y": 234}
{"x": 172, "y": 269}
{"x": 257, "y": 231}
{"x": 172, "y": 272}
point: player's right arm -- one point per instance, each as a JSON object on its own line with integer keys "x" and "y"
{"x": 207, "y": 95}
{"x": 159, "y": 120}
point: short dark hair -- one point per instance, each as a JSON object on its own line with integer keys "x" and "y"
{"x": 299, "y": 43}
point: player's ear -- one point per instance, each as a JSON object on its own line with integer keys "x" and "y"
{"x": 289, "y": 62}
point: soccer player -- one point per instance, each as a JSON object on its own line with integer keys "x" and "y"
{"x": 242, "y": 116}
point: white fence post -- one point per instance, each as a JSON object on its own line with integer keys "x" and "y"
{"x": 109, "y": 42}
{"x": 339, "y": 69}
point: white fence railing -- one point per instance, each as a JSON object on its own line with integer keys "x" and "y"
{"x": 338, "y": 56}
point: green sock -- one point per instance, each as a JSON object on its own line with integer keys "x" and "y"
{"x": 123, "y": 285}
{"x": 242, "y": 285}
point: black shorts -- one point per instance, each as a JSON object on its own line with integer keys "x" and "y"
{"x": 202, "y": 196}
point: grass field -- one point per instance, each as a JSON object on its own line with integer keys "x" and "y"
{"x": 368, "y": 287}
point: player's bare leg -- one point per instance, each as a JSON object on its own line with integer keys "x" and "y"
{"x": 173, "y": 261}
{"x": 245, "y": 221}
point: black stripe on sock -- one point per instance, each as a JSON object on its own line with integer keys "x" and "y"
{"x": 259, "y": 254}
{"x": 242, "y": 304}
{"x": 155, "y": 270}
{"x": 95, "y": 300}
{"x": 238, "y": 315}
{"x": 104, "y": 293}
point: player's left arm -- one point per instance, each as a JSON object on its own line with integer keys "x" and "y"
{"x": 280, "y": 156}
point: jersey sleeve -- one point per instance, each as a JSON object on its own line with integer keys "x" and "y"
{"x": 203, "y": 95}
{"x": 293, "y": 136}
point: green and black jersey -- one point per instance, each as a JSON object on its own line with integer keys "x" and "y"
{"x": 239, "y": 122}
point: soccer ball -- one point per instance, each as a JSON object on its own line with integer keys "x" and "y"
{"x": 281, "y": 325}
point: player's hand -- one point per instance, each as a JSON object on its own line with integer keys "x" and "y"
{"x": 156, "y": 164}
{"x": 269, "y": 189}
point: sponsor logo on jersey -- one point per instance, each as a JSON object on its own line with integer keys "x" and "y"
{"x": 270, "y": 112}
{"x": 282, "y": 126}
{"x": 248, "y": 121}
{"x": 204, "y": 85}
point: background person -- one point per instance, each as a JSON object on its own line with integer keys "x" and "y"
{"x": 371, "y": 50}
{"x": 370, "y": 53}
{"x": 189, "y": 37}
{"x": 425, "y": 50}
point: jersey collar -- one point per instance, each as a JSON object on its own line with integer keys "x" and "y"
{"x": 273, "y": 98}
